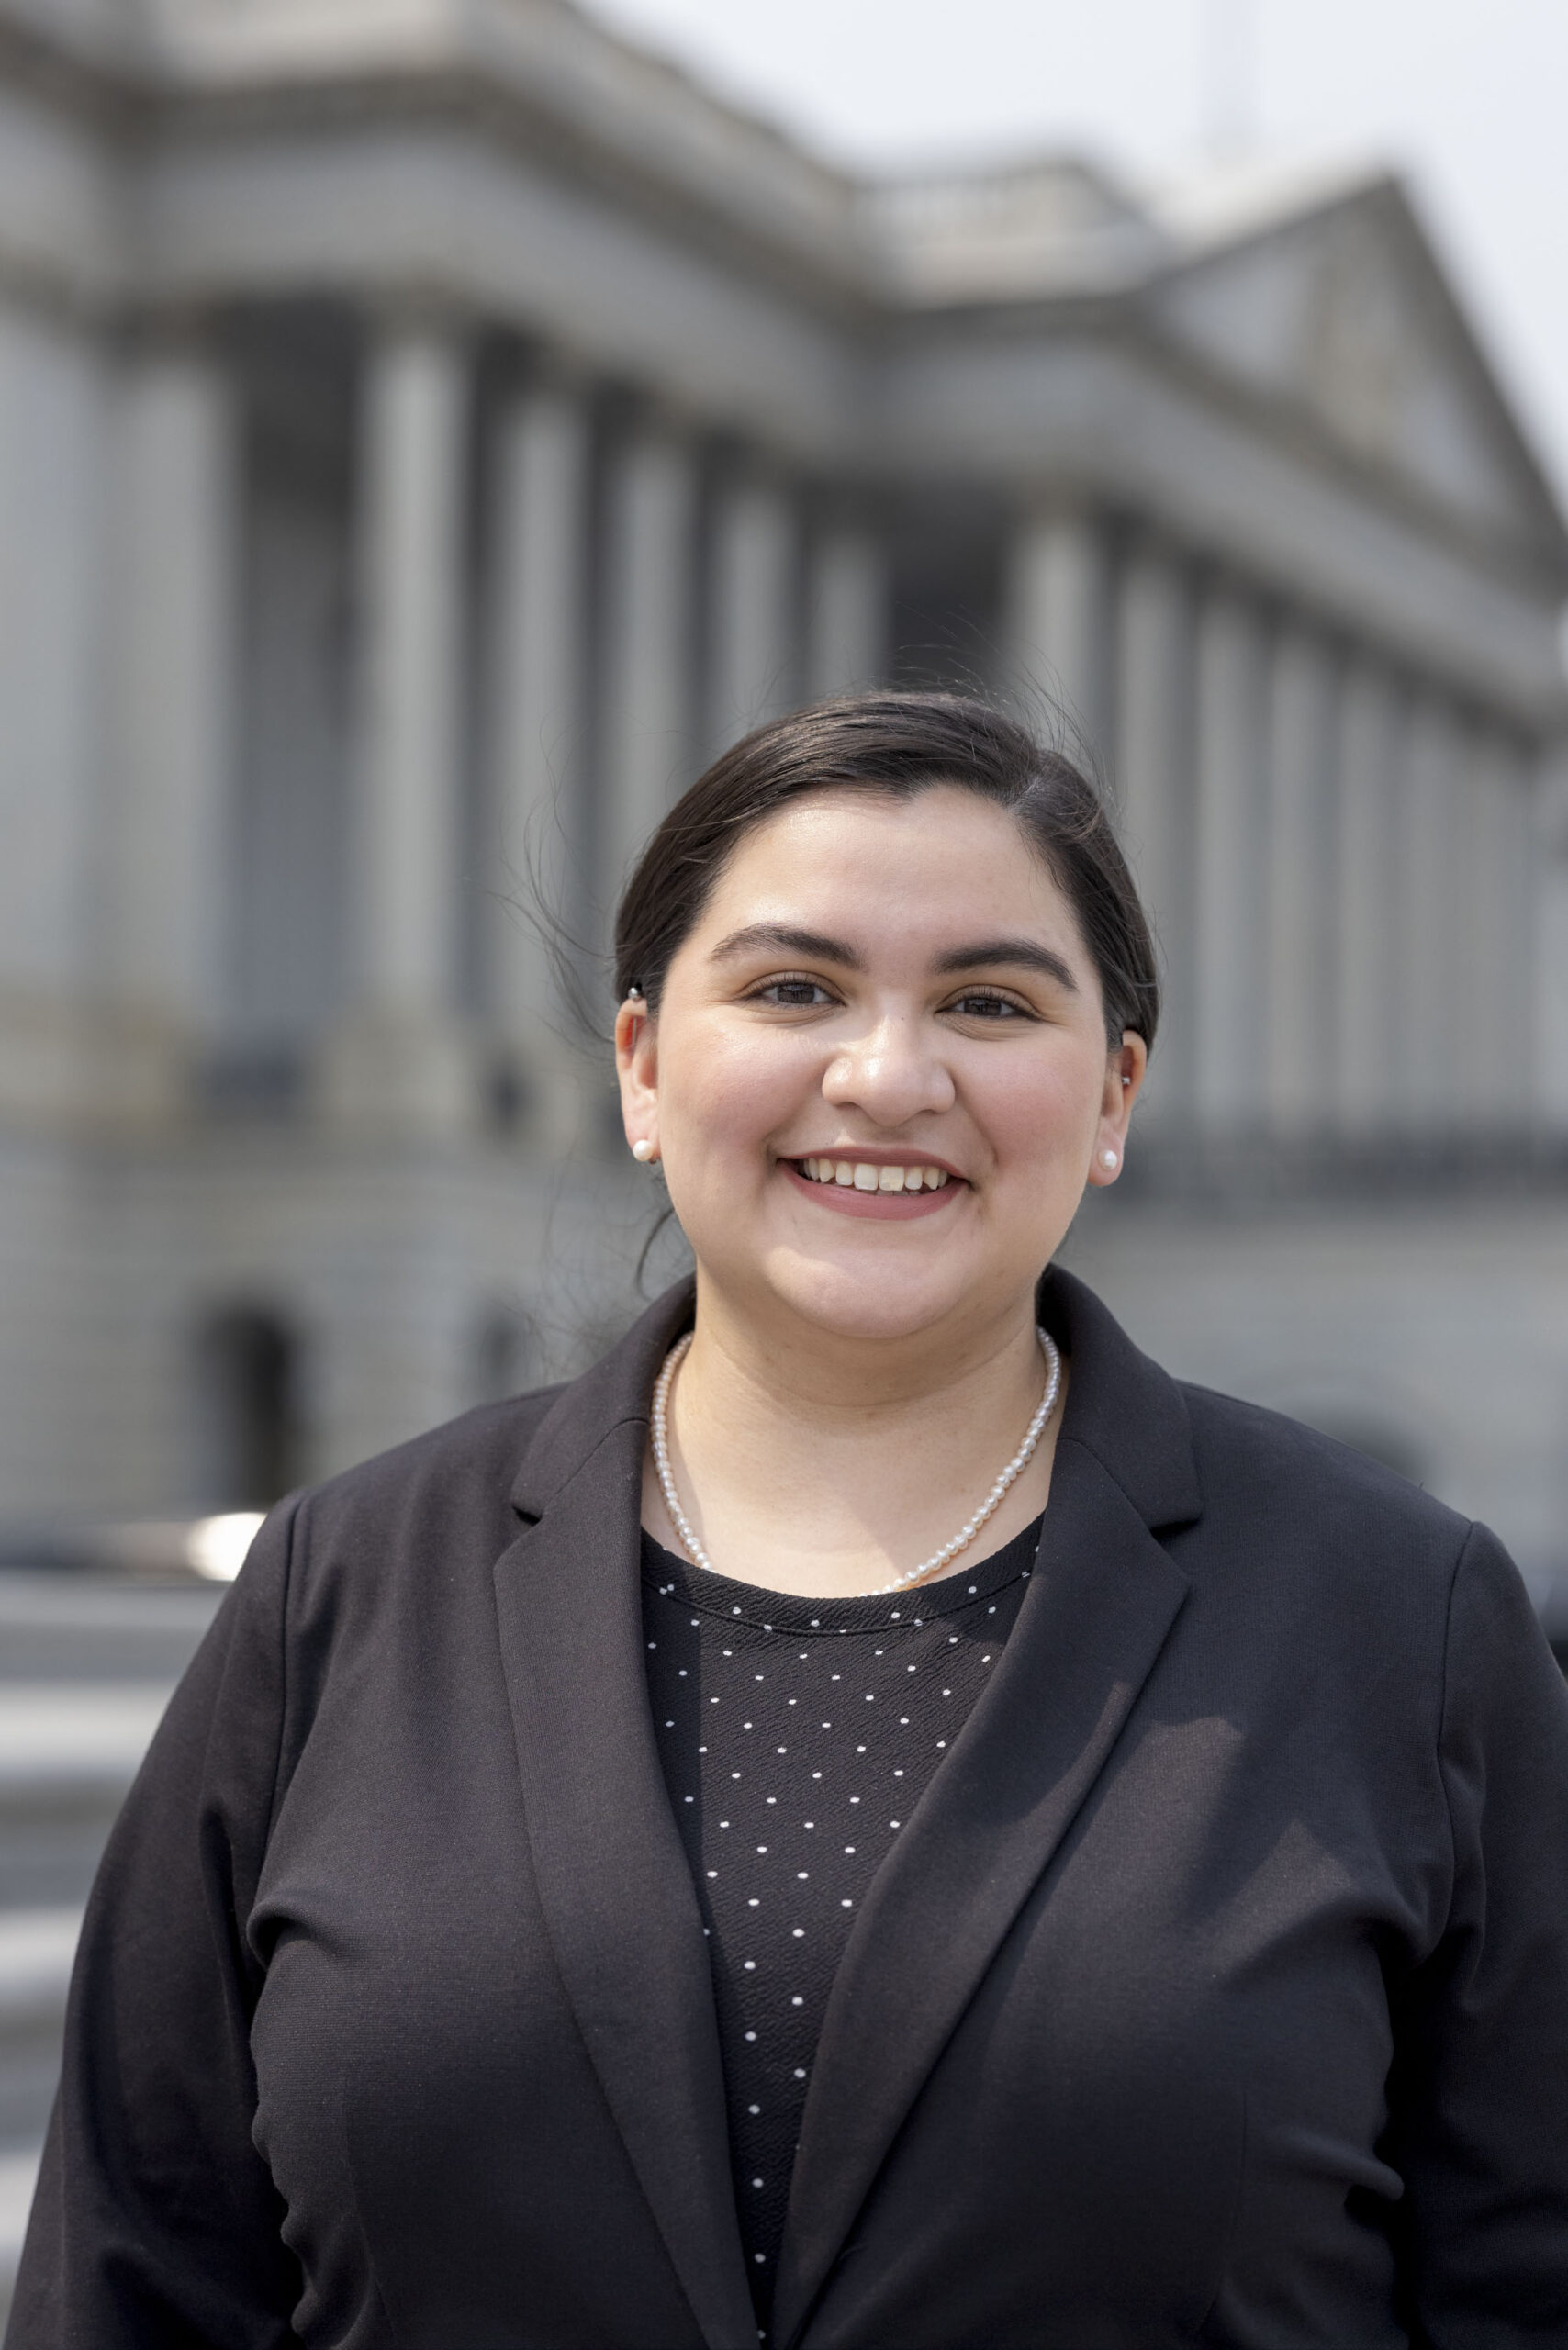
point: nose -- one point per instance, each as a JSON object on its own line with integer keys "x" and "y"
{"x": 894, "y": 1072}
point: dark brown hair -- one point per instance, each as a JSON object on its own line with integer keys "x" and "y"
{"x": 897, "y": 743}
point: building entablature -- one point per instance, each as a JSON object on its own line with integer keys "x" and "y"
{"x": 556, "y": 181}
{"x": 1152, "y": 438}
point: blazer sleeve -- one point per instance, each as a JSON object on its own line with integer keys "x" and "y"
{"x": 1483, "y": 2098}
{"x": 155, "y": 2222}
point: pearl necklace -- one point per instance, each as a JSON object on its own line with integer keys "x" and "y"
{"x": 938, "y": 1559}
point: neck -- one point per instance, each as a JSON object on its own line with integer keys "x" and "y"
{"x": 793, "y": 1368}
{"x": 835, "y": 1465}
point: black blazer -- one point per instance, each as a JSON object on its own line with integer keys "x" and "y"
{"x": 1216, "y": 1991}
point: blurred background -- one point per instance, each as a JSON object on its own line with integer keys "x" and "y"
{"x": 430, "y": 429}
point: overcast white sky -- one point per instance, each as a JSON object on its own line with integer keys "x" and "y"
{"x": 1469, "y": 96}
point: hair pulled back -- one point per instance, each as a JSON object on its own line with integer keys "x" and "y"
{"x": 895, "y": 744}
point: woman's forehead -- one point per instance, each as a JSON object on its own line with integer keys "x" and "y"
{"x": 940, "y": 850}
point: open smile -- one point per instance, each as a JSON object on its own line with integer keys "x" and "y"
{"x": 876, "y": 1188}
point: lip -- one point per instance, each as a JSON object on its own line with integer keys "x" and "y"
{"x": 884, "y": 1207}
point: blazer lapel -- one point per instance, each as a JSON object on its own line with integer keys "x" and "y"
{"x": 611, "y": 1870}
{"x": 1100, "y": 1603}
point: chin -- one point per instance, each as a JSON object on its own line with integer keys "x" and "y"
{"x": 889, "y": 1303}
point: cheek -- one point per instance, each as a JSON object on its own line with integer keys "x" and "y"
{"x": 737, "y": 1087}
{"x": 1041, "y": 1111}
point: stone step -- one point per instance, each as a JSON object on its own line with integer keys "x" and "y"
{"x": 86, "y": 1665}
{"x": 36, "y": 1950}
{"x": 37, "y": 1947}
{"x": 19, "y": 2169}
{"x": 68, "y": 1752}
{"x": 56, "y": 1626}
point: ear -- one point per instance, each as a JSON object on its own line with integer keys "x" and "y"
{"x": 637, "y": 1073}
{"x": 1126, "y": 1065}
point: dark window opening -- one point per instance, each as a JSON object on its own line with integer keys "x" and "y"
{"x": 247, "y": 1409}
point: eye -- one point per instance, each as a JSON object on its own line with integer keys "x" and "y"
{"x": 794, "y": 991}
{"x": 989, "y": 1004}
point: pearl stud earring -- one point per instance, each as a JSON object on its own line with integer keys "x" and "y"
{"x": 642, "y": 1150}
{"x": 1109, "y": 1158}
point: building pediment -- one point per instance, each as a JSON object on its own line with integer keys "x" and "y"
{"x": 1340, "y": 309}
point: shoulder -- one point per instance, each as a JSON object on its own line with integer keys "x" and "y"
{"x": 392, "y": 1560}
{"x": 1219, "y": 1476}
{"x": 479, "y": 1453}
{"x": 1297, "y": 1529}
{"x": 1267, "y": 1478}
{"x": 1255, "y": 1460}
{"x": 435, "y": 1509}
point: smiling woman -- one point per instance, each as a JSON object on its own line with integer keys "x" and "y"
{"x": 875, "y": 1817}
{"x": 888, "y": 1001}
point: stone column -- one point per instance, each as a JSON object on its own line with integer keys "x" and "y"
{"x": 1496, "y": 1012}
{"x": 1301, "y": 946}
{"x": 400, "y": 1056}
{"x": 1154, "y": 774}
{"x": 651, "y": 508}
{"x": 53, "y": 379}
{"x": 174, "y": 582}
{"x": 1371, "y": 747}
{"x": 847, "y": 610}
{"x": 1548, "y": 1040}
{"x": 1058, "y": 622}
{"x": 538, "y": 716}
{"x": 752, "y": 662}
{"x": 1232, "y": 875}
{"x": 1517, "y": 930}
{"x": 1431, "y": 920}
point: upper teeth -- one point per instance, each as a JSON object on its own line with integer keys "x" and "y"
{"x": 865, "y": 1177}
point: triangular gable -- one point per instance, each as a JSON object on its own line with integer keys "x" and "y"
{"x": 1344, "y": 311}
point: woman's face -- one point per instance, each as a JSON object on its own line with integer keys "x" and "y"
{"x": 880, "y": 993}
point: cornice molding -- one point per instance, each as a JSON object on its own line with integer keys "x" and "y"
{"x": 537, "y": 80}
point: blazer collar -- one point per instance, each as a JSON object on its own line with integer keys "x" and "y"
{"x": 607, "y": 1851}
{"x": 1121, "y": 1407}
{"x": 616, "y": 1392}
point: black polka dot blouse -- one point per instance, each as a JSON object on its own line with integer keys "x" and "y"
{"x": 797, "y": 1737}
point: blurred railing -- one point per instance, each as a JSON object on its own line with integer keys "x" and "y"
{"x": 88, "y": 1662}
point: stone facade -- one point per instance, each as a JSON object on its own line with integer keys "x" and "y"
{"x": 427, "y": 433}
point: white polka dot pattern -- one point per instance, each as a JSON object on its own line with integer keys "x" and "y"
{"x": 797, "y": 1736}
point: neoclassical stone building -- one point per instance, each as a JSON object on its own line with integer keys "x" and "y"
{"x": 428, "y": 430}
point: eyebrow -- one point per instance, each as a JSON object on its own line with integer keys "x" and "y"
{"x": 1026, "y": 952}
{"x": 986, "y": 953}
{"x": 779, "y": 939}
